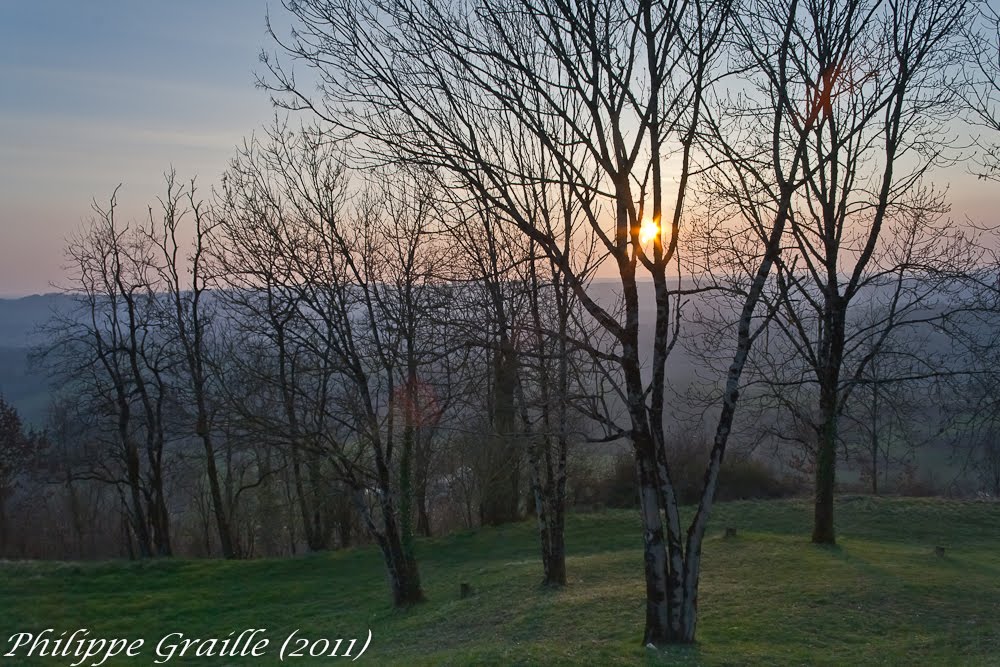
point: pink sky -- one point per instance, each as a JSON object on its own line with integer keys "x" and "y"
{"x": 118, "y": 92}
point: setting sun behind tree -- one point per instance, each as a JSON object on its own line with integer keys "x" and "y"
{"x": 648, "y": 231}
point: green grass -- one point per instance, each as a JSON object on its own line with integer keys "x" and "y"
{"x": 768, "y": 597}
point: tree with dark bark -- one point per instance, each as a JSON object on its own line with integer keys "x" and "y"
{"x": 493, "y": 318}
{"x": 548, "y": 392}
{"x": 110, "y": 350}
{"x": 876, "y": 89}
{"x": 349, "y": 296}
{"x": 266, "y": 372}
{"x": 19, "y": 452}
{"x": 892, "y": 413}
{"x": 186, "y": 320}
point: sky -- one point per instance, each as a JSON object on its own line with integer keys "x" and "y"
{"x": 100, "y": 92}
{"x": 96, "y": 93}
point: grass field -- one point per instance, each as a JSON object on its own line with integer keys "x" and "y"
{"x": 768, "y": 597}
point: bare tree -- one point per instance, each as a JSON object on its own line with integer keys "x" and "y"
{"x": 550, "y": 388}
{"x": 860, "y": 95}
{"x": 974, "y": 407}
{"x": 491, "y": 255}
{"x": 531, "y": 362}
{"x": 186, "y": 320}
{"x": 892, "y": 413}
{"x": 263, "y": 367}
{"x": 348, "y": 294}
{"x": 611, "y": 93}
{"x": 862, "y": 222}
{"x": 981, "y": 88}
{"x": 110, "y": 350}
{"x": 406, "y": 306}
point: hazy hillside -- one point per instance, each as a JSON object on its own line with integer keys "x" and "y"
{"x": 19, "y": 318}
{"x": 23, "y": 386}
{"x": 28, "y": 390}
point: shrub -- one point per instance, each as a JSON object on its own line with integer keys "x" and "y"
{"x": 752, "y": 479}
{"x": 741, "y": 478}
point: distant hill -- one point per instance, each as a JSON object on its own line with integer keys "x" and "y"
{"x": 23, "y": 386}
{"x": 20, "y": 318}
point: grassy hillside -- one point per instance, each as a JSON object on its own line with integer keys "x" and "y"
{"x": 768, "y": 596}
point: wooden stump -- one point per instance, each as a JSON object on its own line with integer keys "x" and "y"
{"x": 464, "y": 590}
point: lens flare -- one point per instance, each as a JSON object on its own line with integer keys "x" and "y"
{"x": 648, "y": 231}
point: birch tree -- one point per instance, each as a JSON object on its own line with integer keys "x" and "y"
{"x": 612, "y": 95}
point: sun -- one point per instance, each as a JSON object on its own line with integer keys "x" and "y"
{"x": 648, "y": 231}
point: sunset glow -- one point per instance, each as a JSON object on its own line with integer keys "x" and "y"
{"x": 648, "y": 231}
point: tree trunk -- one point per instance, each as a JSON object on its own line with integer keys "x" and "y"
{"x": 345, "y": 525}
{"x": 654, "y": 548}
{"x": 874, "y": 442}
{"x": 404, "y": 577}
{"x": 322, "y": 528}
{"x": 307, "y": 510}
{"x": 212, "y": 471}
{"x": 137, "y": 515}
{"x": 127, "y": 531}
{"x": 501, "y": 497}
{"x": 159, "y": 518}
{"x": 826, "y": 471}
{"x": 405, "y": 498}
{"x": 423, "y": 518}
{"x": 831, "y": 354}
{"x": 420, "y": 485}
{"x": 550, "y": 525}
{"x": 556, "y": 570}
{"x": 3, "y": 523}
